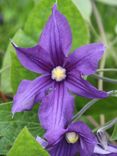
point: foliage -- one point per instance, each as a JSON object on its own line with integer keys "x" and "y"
{"x": 26, "y": 145}
{"x": 10, "y": 126}
{"x": 23, "y": 21}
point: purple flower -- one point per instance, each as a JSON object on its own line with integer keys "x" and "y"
{"x": 61, "y": 73}
{"x": 76, "y": 138}
{"x": 111, "y": 154}
{"x": 103, "y": 146}
{"x": 109, "y": 151}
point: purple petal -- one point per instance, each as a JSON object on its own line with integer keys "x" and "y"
{"x": 111, "y": 154}
{"x": 87, "y": 138}
{"x": 54, "y": 136}
{"x": 56, "y": 37}
{"x": 111, "y": 149}
{"x": 64, "y": 149}
{"x": 57, "y": 108}
{"x": 86, "y": 58}
{"x": 99, "y": 150}
{"x": 35, "y": 59}
{"x": 42, "y": 142}
{"x": 81, "y": 87}
{"x": 30, "y": 92}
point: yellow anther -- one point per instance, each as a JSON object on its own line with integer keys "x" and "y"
{"x": 58, "y": 73}
{"x": 72, "y": 137}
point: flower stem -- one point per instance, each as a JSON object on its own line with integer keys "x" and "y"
{"x": 102, "y": 135}
{"x": 94, "y": 31}
{"x": 105, "y": 79}
{"x": 107, "y": 125}
{"x": 89, "y": 104}
{"x": 83, "y": 110}
{"x": 107, "y": 70}
{"x": 103, "y": 37}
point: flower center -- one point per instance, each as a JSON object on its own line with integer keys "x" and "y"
{"x": 72, "y": 137}
{"x": 58, "y": 73}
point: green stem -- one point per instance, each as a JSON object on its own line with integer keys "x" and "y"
{"x": 114, "y": 41}
{"x": 94, "y": 31}
{"x": 101, "y": 133}
{"x": 107, "y": 125}
{"x": 83, "y": 110}
{"x": 103, "y": 37}
{"x": 107, "y": 70}
{"x": 89, "y": 104}
{"x": 105, "y": 79}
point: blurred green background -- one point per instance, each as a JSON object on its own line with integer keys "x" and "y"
{"x": 22, "y": 21}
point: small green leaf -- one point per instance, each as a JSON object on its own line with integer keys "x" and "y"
{"x": 26, "y": 145}
{"x": 13, "y": 67}
{"x": 10, "y": 127}
{"x": 114, "y": 134}
{"x": 5, "y": 75}
{"x": 39, "y": 16}
{"x": 18, "y": 72}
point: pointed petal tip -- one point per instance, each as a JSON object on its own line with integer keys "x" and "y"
{"x": 14, "y": 45}
{"x": 104, "y": 94}
{"x": 54, "y": 7}
{"x": 100, "y": 44}
{"x": 13, "y": 111}
{"x": 104, "y": 46}
{"x": 101, "y": 94}
{"x": 13, "y": 114}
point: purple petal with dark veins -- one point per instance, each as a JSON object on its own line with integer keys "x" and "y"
{"x": 57, "y": 108}
{"x": 86, "y": 58}
{"x": 30, "y": 92}
{"x": 87, "y": 139}
{"x": 58, "y": 146}
{"x": 56, "y": 37}
{"x": 81, "y": 87}
{"x": 54, "y": 136}
{"x": 35, "y": 59}
{"x": 64, "y": 149}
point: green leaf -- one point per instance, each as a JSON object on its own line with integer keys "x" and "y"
{"x": 15, "y": 72}
{"x": 5, "y": 75}
{"x": 26, "y": 145}
{"x": 18, "y": 72}
{"x": 10, "y": 127}
{"x": 84, "y": 8}
{"x": 39, "y": 16}
{"x": 109, "y": 2}
{"x": 114, "y": 134}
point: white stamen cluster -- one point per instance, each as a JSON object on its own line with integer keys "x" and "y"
{"x": 72, "y": 137}
{"x": 58, "y": 73}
